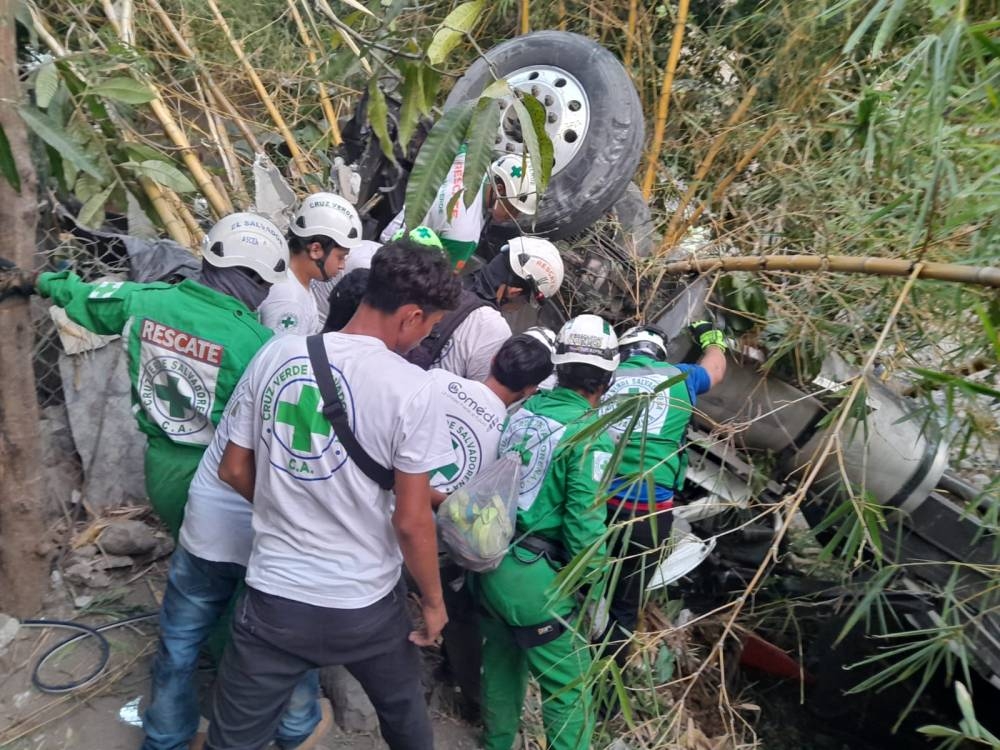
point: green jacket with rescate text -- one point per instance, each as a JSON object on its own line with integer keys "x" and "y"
{"x": 187, "y": 346}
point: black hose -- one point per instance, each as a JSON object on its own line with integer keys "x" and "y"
{"x": 86, "y": 631}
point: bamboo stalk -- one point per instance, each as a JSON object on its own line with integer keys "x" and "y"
{"x": 633, "y": 13}
{"x": 220, "y": 203}
{"x": 171, "y": 222}
{"x": 706, "y": 163}
{"x": 293, "y": 147}
{"x": 325, "y": 8}
{"x": 324, "y": 96}
{"x": 561, "y": 13}
{"x": 525, "y": 16}
{"x": 663, "y": 108}
{"x": 220, "y": 137}
{"x": 981, "y": 275}
{"x": 221, "y": 99}
{"x": 189, "y": 221}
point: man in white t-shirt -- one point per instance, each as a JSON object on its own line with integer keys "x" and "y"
{"x": 527, "y": 269}
{"x": 476, "y": 413}
{"x": 360, "y": 257}
{"x": 323, "y": 580}
{"x": 321, "y": 234}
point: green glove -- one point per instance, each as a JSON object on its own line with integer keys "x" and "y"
{"x": 707, "y": 335}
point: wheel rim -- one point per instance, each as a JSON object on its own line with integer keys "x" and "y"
{"x": 567, "y": 112}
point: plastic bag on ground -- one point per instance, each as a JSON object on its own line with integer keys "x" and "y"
{"x": 476, "y": 522}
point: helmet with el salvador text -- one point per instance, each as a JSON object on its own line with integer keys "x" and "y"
{"x": 538, "y": 262}
{"x": 327, "y": 215}
{"x": 543, "y": 335}
{"x": 645, "y": 339}
{"x": 250, "y": 241}
{"x": 518, "y": 179}
{"x": 587, "y": 340}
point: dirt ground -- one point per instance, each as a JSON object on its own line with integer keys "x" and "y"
{"x": 105, "y": 715}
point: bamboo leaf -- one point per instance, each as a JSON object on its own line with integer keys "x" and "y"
{"x": 452, "y": 30}
{"x": 413, "y": 102}
{"x": 537, "y": 149}
{"x": 46, "y": 84}
{"x": 429, "y": 85}
{"x": 434, "y": 160}
{"x": 124, "y": 89}
{"x": 92, "y": 212}
{"x": 58, "y": 139}
{"x": 623, "y": 701}
{"x": 7, "y": 164}
{"x": 165, "y": 174}
{"x": 862, "y": 28}
{"x": 378, "y": 115}
{"x": 453, "y": 201}
{"x": 479, "y": 152}
{"x": 888, "y": 26}
{"x": 143, "y": 152}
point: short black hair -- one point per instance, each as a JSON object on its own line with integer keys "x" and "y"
{"x": 345, "y": 298}
{"x": 298, "y": 244}
{"x": 521, "y": 362}
{"x": 582, "y": 377}
{"x": 405, "y": 273}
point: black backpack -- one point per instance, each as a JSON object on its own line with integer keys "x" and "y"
{"x": 429, "y": 350}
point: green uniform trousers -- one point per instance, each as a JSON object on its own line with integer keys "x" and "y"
{"x": 519, "y": 593}
{"x": 169, "y": 470}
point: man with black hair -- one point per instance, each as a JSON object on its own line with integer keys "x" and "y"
{"x": 320, "y": 236}
{"x": 323, "y": 578}
{"x": 527, "y": 270}
{"x": 523, "y": 627}
{"x": 344, "y": 299}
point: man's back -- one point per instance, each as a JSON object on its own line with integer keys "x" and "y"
{"x": 323, "y": 530}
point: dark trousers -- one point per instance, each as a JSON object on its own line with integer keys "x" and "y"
{"x": 276, "y": 640}
{"x": 637, "y": 547}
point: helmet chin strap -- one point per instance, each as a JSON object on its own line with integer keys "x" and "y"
{"x": 321, "y": 262}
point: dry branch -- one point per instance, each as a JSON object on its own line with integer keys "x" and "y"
{"x": 324, "y": 96}
{"x": 983, "y": 275}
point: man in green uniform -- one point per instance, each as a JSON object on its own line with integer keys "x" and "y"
{"x": 559, "y": 516}
{"x": 653, "y": 462}
{"x": 187, "y": 344}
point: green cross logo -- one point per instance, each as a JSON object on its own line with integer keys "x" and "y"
{"x": 288, "y": 321}
{"x": 178, "y": 404}
{"x": 516, "y": 172}
{"x": 304, "y": 418}
{"x": 450, "y": 470}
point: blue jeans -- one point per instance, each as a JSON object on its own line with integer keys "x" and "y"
{"x": 198, "y": 592}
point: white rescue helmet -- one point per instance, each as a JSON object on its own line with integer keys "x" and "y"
{"x": 327, "y": 215}
{"x": 247, "y": 240}
{"x": 543, "y": 335}
{"x": 518, "y": 179}
{"x": 587, "y": 340}
{"x": 647, "y": 339}
{"x": 538, "y": 262}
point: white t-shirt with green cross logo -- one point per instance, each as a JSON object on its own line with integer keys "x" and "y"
{"x": 475, "y": 417}
{"x": 290, "y": 308}
{"x": 323, "y": 530}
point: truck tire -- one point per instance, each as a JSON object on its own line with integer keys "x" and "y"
{"x": 595, "y": 122}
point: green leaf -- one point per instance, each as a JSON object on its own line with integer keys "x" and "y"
{"x": 452, "y": 30}
{"x": 165, "y": 174}
{"x": 143, "y": 152}
{"x": 499, "y": 89}
{"x": 92, "y": 212}
{"x": 46, "y": 84}
{"x": 479, "y": 152}
{"x": 124, "y": 89}
{"x": 413, "y": 102}
{"x": 7, "y": 164}
{"x": 863, "y": 27}
{"x": 536, "y": 140}
{"x": 86, "y": 187}
{"x": 450, "y": 206}
{"x": 888, "y": 26}
{"x": 434, "y": 160}
{"x": 378, "y": 116}
{"x": 58, "y": 139}
{"x": 430, "y": 83}
{"x": 663, "y": 668}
